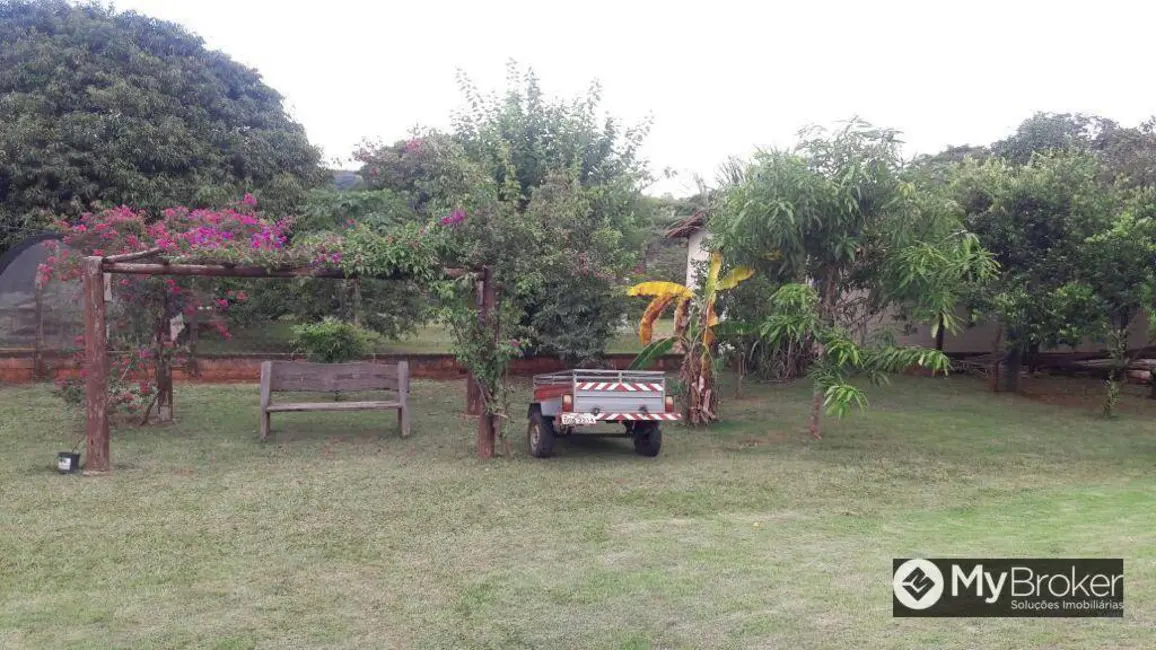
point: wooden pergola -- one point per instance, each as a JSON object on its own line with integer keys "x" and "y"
{"x": 96, "y": 362}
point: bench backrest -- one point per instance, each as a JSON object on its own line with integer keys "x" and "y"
{"x": 298, "y": 376}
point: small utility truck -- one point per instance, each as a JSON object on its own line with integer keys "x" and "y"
{"x": 573, "y": 400}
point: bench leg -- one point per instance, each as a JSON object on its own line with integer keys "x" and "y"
{"x": 403, "y": 421}
{"x": 265, "y": 416}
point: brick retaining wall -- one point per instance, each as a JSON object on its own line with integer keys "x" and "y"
{"x": 18, "y": 366}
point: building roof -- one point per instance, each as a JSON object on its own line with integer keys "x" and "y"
{"x": 687, "y": 226}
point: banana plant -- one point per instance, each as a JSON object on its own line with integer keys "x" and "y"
{"x": 694, "y": 321}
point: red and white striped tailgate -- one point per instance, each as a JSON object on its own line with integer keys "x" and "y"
{"x": 630, "y": 387}
{"x": 665, "y": 417}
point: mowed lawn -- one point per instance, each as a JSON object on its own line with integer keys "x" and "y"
{"x": 339, "y": 534}
{"x": 431, "y": 338}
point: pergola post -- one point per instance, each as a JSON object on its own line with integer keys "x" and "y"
{"x": 486, "y": 421}
{"x": 96, "y": 334}
{"x": 95, "y": 368}
{"x": 473, "y": 390}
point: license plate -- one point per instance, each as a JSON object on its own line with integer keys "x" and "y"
{"x": 573, "y": 419}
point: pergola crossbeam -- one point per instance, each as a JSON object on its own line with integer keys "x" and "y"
{"x": 221, "y": 270}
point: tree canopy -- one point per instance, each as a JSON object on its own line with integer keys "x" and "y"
{"x": 552, "y": 191}
{"x": 119, "y": 108}
{"x": 837, "y": 225}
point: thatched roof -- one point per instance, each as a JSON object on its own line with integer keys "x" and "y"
{"x": 687, "y": 226}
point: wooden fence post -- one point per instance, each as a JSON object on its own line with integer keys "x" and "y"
{"x": 96, "y": 369}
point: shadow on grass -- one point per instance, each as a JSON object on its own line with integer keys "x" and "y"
{"x": 589, "y": 446}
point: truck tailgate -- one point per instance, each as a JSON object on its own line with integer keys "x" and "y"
{"x": 640, "y": 398}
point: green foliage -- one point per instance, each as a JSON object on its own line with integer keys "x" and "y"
{"x": 548, "y": 195}
{"x": 121, "y": 108}
{"x": 568, "y": 186}
{"x": 1053, "y": 132}
{"x": 651, "y": 352}
{"x": 795, "y": 320}
{"x": 332, "y": 341}
{"x": 839, "y": 212}
{"x": 392, "y": 308}
{"x": 1035, "y": 220}
{"x": 332, "y": 210}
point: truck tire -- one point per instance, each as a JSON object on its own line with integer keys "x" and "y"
{"x": 647, "y": 439}
{"x": 540, "y": 434}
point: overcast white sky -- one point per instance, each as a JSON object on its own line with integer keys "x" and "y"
{"x": 719, "y": 77}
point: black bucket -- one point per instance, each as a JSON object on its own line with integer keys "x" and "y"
{"x": 68, "y": 462}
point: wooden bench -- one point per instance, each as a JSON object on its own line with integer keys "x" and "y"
{"x": 299, "y": 377}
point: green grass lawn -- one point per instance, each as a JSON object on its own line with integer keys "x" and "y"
{"x": 433, "y": 338}
{"x": 339, "y": 534}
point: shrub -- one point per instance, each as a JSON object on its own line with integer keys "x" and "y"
{"x": 332, "y": 341}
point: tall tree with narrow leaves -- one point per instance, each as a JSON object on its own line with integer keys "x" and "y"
{"x": 850, "y": 237}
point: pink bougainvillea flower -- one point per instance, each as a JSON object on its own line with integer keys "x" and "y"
{"x": 413, "y": 146}
{"x": 249, "y": 199}
{"x": 455, "y": 217}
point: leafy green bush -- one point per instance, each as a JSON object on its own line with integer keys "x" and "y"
{"x": 332, "y": 340}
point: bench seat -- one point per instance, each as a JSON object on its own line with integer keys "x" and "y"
{"x": 334, "y": 378}
{"x": 333, "y": 406}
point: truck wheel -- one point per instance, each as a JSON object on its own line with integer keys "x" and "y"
{"x": 647, "y": 439}
{"x": 540, "y": 434}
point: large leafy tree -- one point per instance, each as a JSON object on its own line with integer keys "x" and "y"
{"x": 1036, "y": 219}
{"x": 1117, "y": 269}
{"x": 119, "y": 108}
{"x": 1127, "y": 154}
{"x": 565, "y": 185}
{"x": 849, "y": 237}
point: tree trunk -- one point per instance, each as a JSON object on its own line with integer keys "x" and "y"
{"x": 486, "y": 436}
{"x": 1012, "y": 365}
{"x": 741, "y": 368}
{"x": 993, "y": 368}
{"x": 816, "y": 413}
{"x": 1118, "y": 349}
{"x": 827, "y": 301}
{"x": 473, "y": 390}
{"x": 473, "y": 396}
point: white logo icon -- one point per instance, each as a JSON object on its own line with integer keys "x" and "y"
{"x": 918, "y": 584}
